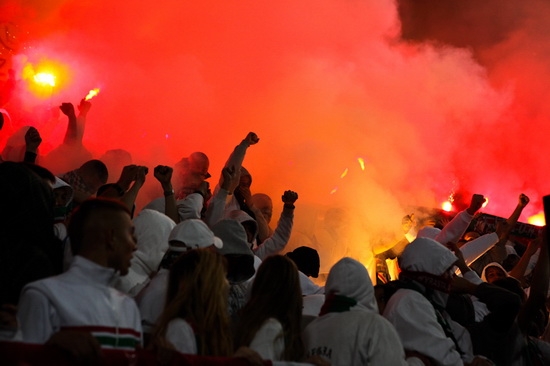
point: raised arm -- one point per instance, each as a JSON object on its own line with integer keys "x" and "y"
{"x": 163, "y": 174}
{"x": 237, "y": 156}
{"x": 71, "y": 133}
{"x": 32, "y": 141}
{"x": 130, "y": 196}
{"x": 458, "y": 225}
{"x": 216, "y": 205}
{"x": 276, "y": 242}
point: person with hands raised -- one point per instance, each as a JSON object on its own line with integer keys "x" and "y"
{"x": 163, "y": 174}
{"x": 281, "y": 235}
{"x": 32, "y": 142}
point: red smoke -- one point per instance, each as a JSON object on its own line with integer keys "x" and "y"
{"x": 322, "y": 83}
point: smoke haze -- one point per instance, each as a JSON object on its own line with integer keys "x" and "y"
{"x": 453, "y": 103}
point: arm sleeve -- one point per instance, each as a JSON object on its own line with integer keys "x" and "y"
{"x": 180, "y": 334}
{"x": 474, "y": 249}
{"x": 216, "y": 207}
{"x": 38, "y": 319}
{"x": 454, "y": 229}
{"x": 269, "y": 341}
{"x": 276, "y": 242}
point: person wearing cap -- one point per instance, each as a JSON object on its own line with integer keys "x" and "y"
{"x": 240, "y": 261}
{"x": 190, "y": 173}
{"x": 196, "y": 281}
{"x": 417, "y": 308}
{"x": 187, "y": 235}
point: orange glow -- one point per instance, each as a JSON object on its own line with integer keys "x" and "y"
{"x": 361, "y": 163}
{"x": 447, "y": 206}
{"x": 486, "y": 202}
{"x": 44, "y": 78}
{"x": 537, "y": 220}
{"x": 92, "y": 93}
{"x": 334, "y": 190}
{"x": 344, "y": 173}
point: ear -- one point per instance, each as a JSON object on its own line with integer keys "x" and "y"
{"x": 110, "y": 239}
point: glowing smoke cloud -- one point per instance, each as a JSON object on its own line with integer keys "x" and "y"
{"x": 323, "y": 83}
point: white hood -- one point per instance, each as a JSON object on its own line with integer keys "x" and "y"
{"x": 350, "y": 278}
{"x": 426, "y": 255}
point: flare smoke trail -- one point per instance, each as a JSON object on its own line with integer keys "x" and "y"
{"x": 322, "y": 83}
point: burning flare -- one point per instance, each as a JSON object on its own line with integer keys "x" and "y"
{"x": 92, "y": 93}
{"x": 45, "y": 78}
{"x": 537, "y": 220}
{"x": 447, "y": 206}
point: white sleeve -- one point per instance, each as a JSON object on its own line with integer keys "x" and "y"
{"x": 277, "y": 242}
{"x": 455, "y": 228}
{"x": 474, "y": 249}
{"x": 216, "y": 206}
{"x": 38, "y": 320}
{"x": 269, "y": 340}
{"x": 180, "y": 334}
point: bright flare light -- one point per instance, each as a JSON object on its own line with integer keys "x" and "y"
{"x": 344, "y": 173}
{"x": 361, "y": 163}
{"x": 334, "y": 190}
{"x": 92, "y": 93}
{"x": 486, "y": 202}
{"x": 537, "y": 220}
{"x": 447, "y": 206}
{"x": 45, "y": 78}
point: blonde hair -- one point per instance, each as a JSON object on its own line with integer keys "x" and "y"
{"x": 201, "y": 300}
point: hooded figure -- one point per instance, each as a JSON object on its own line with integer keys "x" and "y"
{"x": 492, "y": 272}
{"x": 152, "y": 231}
{"x": 417, "y": 309}
{"x": 240, "y": 261}
{"x": 189, "y": 207}
{"x": 187, "y": 235}
{"x": 349, "y": 330}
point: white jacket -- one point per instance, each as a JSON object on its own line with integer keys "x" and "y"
{"x": 80, "y": 299}
{"x": 359, "y": 336}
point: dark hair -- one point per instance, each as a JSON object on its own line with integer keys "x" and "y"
{"x": 98, "y": 167}
{"x": 276, "y": 293}
{"x": 82, "y": 214}
{"x": 307, "y": 260}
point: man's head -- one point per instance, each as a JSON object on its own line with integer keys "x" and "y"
{"x": 191, "y": 172}
{"x": 102, "y": 231}
{"x": 493, "y": 272}
{"x": 263, "y": 203}
{"x": 94, "y": 174}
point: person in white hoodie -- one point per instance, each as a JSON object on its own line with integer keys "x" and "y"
{"x": 152, "y": 231}
{"x": 349, "y": 331}
{"x": 417, "y": 309}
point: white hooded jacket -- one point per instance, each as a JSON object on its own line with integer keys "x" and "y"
{"x": 358, "y": 336}
{"x": 413, "y": 315}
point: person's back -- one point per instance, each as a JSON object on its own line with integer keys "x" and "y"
{"x": 349, "y": 330}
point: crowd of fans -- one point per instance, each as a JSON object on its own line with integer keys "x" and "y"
{"x": 205, "y": 272}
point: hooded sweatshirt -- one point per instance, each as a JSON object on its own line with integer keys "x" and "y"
{"x": 419, "y": 325}
{"x": 350, "y": 331}
{"x": 152, "y": 231}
